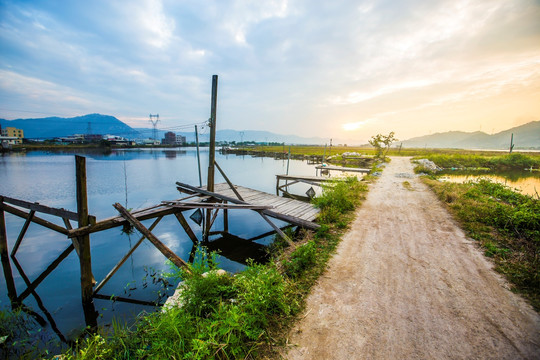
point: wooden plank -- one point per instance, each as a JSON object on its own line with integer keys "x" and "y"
{"x": 41, "y": 208}
{"x": 123, "y": 260}
{"x": 145, "y": 214}
{"x": 220, "y": 206}
{"x": 35, "y": 219}
{"x": 340, "y": 168}
{"x": 300, "y": 222}
{"x": 154, "y": 240}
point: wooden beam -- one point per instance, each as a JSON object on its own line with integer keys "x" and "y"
{"x": 233, "y": 188}
{"x": 35, "y": 219}
{"x": 23, "y": 232}
{"x": 141, "y": 215}
{"x": 126, "y": 300}
{"x": 85, "y": 257}
{"x": 182, "y": 220}
{"x": 153, "y": 239}
{"x": 278, "y": 230}
{"x": 42, "y": 208}
{"x": 45, "y": 273}
{"x": 217, "y": 206}
{"x": 123, "y": 260}
{"x": 6, "y": 266}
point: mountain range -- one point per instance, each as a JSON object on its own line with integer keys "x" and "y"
{"x": 525, "y": 136}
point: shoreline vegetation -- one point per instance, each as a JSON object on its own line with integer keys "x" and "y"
{"x": 242, "y": 316}
{"x": 503, "y": 222}
{"x": 224, "y": 316}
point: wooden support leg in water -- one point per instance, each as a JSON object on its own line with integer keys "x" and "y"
{"x": 182, "y": 220}
{"x": 278, "y": 230}
{"x": 123, "y": 260}
{"x": 23, "y": 232}
{"x": 176, "y": 260}
{"x": 10, "y": 283}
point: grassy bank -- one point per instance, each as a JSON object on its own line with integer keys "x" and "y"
{"x": 491, "y": 162}
{"x": 235, "y": 317}
{"x": 506, "y": 224}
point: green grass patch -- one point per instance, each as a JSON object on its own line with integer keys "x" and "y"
{"x": 505, "y": 223}
{"x": 245, "y": 316}
{"x": 484, "y": 162}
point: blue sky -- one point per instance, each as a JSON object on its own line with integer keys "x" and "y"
{"x": 336, "y": 69}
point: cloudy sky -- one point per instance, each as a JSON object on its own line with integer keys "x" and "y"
{"x": 334, "y": 69}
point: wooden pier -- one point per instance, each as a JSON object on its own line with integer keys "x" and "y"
{"x": 210, "y": 199}
{"x": 341, "y": 168}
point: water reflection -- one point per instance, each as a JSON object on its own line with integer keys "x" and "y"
{"x": 526, "y": 182}
{"x": 136, "y": 178}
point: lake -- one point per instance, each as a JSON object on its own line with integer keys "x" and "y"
{"x": 135, "y": 178}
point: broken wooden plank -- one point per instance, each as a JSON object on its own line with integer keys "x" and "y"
{"x": 176, "y": 260}
{"x": 35, "y": 219}
{"x": 198, "y": 205}
{"x": 228, "y": 181}
{"x": 182, "y": 220}
{"x": 22, "y": 233}
{"x": 41, "y": 208}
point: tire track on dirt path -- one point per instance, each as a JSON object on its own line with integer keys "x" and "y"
{"x": 406, "y": 283}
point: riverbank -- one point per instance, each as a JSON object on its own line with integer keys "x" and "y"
{"x": 406, "y": 282}
{"x": 233, "y": 316}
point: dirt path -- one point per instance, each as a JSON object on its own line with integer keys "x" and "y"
{"x": 407, "y": 284}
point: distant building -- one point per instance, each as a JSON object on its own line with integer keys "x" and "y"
{"x": 173, "y": 139}
{"x": 180, "y": 140}
{"x": 15, "y": 135}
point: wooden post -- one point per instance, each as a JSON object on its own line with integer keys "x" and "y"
{"x": 225, "y": 219}
{"x": 212, "y": 151}
{"x": 85, "y": 259}
{"x": 198, "y": 154}
{"x": 6, "y": 266}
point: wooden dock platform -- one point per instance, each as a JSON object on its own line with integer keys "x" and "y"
{"x": 341, "y": 168}
{"x": 290, "y": 210}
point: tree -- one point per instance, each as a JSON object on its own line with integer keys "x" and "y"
{"x": 382, "y": 144}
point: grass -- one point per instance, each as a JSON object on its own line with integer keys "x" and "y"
{"x": 505, "y": 223}
{"x": 491, "y": 162}
{"x": 245, "y": 316}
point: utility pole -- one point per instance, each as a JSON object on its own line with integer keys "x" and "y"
{"x": 154, "y": 125}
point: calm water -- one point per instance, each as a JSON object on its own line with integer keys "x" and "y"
{"x": 136, "y": 179}
{"x": 523, "y": 181}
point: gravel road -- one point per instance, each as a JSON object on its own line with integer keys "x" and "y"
{"x": 406, "y": 283}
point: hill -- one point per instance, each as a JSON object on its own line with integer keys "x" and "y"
{"x": 51, "y": 127}
{"x": 525, "y": 137}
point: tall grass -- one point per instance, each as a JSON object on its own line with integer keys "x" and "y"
{"x": 497, "y": 162}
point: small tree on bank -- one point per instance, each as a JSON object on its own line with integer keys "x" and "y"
{"x": 382, "y": 144}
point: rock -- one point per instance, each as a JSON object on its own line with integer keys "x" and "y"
{"x": 428, "y": 164}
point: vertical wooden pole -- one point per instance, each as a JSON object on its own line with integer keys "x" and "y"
{"x": 85, "y": 258}
{"x": 225, "y": 219}
{"x": 211, "y": 150}
{"x": 6, "y": 266}
{"x": 198, "y": 155}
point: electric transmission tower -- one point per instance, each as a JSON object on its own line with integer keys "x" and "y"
{"x": 154, "y": 124}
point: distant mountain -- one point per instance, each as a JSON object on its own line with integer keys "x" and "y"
{"x": 525, "y": 137}
{"x": 51, "y": 127}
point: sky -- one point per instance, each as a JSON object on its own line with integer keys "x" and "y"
{"x": 337, "y": 69}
